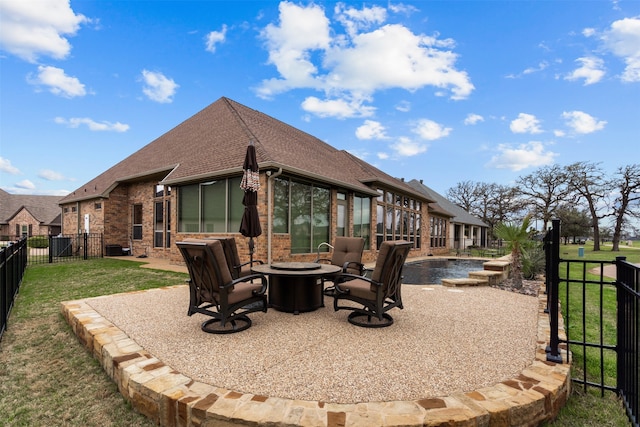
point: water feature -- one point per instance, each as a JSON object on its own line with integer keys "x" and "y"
{"x": 432, "y": 271}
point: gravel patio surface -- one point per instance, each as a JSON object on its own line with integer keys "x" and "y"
{"x": 446, "y": 340}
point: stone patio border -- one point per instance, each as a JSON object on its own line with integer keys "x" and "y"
{"x": 169, "y": 398}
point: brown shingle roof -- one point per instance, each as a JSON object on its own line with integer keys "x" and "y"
{"x": 213, "y": 143}
{"x": 43, "y": 208}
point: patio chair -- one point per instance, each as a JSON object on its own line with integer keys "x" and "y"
{"x": 378, "y": 294}
{"x": 347, "y": 254}
{"x": 238, "y": 269}
{"x": 214, "y": 292}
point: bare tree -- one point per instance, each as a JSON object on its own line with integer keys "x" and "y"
{"x": 588, "y": 182}
{"x": 544, "y": 191}
{"x": 464, "y": 194}
{"x": 627, "y": 203}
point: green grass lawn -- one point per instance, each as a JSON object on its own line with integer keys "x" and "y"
{"x": 587, "y": 407}
{"x": 47, "y": 378}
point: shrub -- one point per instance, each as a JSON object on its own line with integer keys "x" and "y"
{"x": 38, "y": 242}
{"x": 533, "y": 261}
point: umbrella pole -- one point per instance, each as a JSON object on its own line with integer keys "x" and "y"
{"x": 251, "y": 247}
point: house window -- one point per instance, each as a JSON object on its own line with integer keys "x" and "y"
{"x": 281, "y": 206}
{"x": 398, "y": 218}
{"x": 362, "y": 219}
{"x": 303, "y": 210}
{"x": 438, "y": 232}
{"x": 162, "y": 217}
{"x": 211, "y": 207}
{"x": 137, "y": 222}
{"x": 97, "y": 206}
{"x": 341, "y": 220}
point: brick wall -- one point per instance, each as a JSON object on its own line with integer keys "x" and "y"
{"x": 24, "y": 217}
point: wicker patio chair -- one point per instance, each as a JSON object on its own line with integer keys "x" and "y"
{"x": 214, "y": 292}
{"x": 378, "y": 294}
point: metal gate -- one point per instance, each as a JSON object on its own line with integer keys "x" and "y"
{"x": 604, "y": 342}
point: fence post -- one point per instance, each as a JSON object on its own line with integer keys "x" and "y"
{"x": 85, "y": 249}
{"x": 553, "y": 353}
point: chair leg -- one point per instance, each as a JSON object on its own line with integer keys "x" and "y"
{"x": 367, "y": 320}
{"x": 233, "y": 325}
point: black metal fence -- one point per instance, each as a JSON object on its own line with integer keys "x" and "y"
{"x": 64, "y": 247}
{"x": 601, "y": 322}
{"x": 13, "y": 262}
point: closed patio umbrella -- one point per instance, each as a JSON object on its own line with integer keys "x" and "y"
{"x": 250, "y": 224}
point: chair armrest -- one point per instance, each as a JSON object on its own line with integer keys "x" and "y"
{"x": 250, "y": 277}
{"x": 323, "y": 260}
{"x": 344, "y": 278}
{"x": 238, "y": 268}
{"x": 353, "y": 264}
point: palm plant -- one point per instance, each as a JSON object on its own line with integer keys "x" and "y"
{"x": 516, "y": 237}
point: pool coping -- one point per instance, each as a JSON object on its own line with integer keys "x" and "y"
{"x": 169, "y": 398}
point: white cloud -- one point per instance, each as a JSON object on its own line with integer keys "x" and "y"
{"x": 6, "y": 166}
{"x": 308, "y": 52}
{"x": 339, "y": 108}
{"x": 301, "y": 31}
{"x": 473, "y": 118}
{"x": 591, "y": 70}
{"x": 157, "y": 87}
{"x": 103, "y": 126}
{"x": 58, "y": 82}
{"x": 559, "y": 133}
{"x": 50, "y": 175}
{"x": 355, "y": 20}
{"x": 371, "y": 130}
{"x": 531, "y": 154}
{"x": 541, "y": 66}
{"x": 623, "y": 40}
{"x": 214, "y": 38}
{"x": 582, "y": 122}
{"x": 406, "y": 147}
{"x": 25, "y": 184}
{"x": 430, "y": 130}
{"x": 404, "y": 106}
{"x": 382, "y": 156}
{"x": 525, "y": 123}
{"x": 29, "y": 29}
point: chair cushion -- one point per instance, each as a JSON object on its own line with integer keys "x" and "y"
{"x": 359, "y": 288}
{"x": 243, "y": 290}
{"x": 382, "y": 256}
{"x": 221, "y": 260}
{"x": 347, "y": 249}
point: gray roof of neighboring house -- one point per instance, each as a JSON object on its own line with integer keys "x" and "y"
{"x": 213, "y": 142}
{"x": 459, "y": 215}
{"x": 45, "y": 209}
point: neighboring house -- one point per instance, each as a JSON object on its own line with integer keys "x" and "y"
{"x": 186, "y": 183}
{"x": 464, "y": 230}
{"x": 28, "y": 215}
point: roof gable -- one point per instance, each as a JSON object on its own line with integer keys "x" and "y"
{"x": 44, "y": 209}
{"x": 213, "y": 143}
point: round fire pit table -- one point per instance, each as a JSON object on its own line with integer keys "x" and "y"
{"x": 295, "y": 287}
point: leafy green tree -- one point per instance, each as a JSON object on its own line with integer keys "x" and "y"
{"x": 516, "y": 237}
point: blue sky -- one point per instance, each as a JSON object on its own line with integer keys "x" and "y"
{"x": 443, "y": 91}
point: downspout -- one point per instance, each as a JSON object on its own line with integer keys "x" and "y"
{"x": 270, "y": 179}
